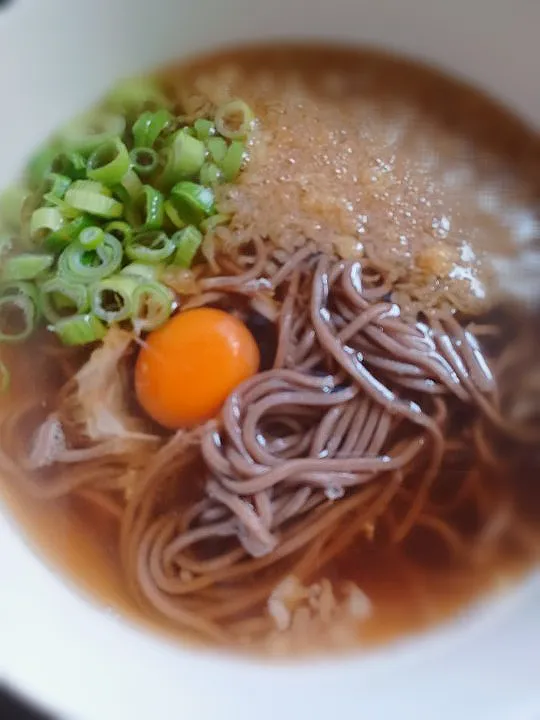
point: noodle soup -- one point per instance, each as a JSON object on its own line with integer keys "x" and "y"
{"x": 278, "y": 410}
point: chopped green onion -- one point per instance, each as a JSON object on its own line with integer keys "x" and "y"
{"x": 210, "y": 174}
{"x": 5, "y": 377}
{"x": 153, "y": 304}
{"x": 149, "y": 272}
{"x": 193, "y": 202}
{"x": 40, "y": 164}
{"x": 18, "y": 311}
{"x": 151, "y": 247}
{"x": 80, "y": 329}
{"x": 204, "y": 128}
{"x": 26, "y": 266}
{"x": 71, "y": 164}
{"x": 148, "y": 127}
{"x": 130, "y": 186}
{"x": 217, "y": 148}
{"x": 80, "y": 265}
{"x": 184, "y": 158}
{"x": 18, "y": 318}
{"x": 45, "y": 220}
{"x": 234, "y": 120}
{"x": 187, "y": 130}
{"x": 57, "y": 241}
{"x": 86, "y": 133}
{"x": 58, "y": 294}
{"x": 121, "y": 230}
{"x": 56, "y": 185}
{"x": 68, "y": 212}
{"x": 63, "y": 304}
{"x": 94, "y": 203}
{"x": 150, "y": 203}
{"x": 109, "y": 162}
{"x": 92, "y": 186}
{"x": 6, "y": 245}
{"x": 111, "y": 298}
{"x": 134, "y": 94}
{"x": 172, "y": 214}
{"x": 233, "y": 160}
{"x": 187, "y": 242}
{"x": 12, "y": 200}
{"x": 54, "y": 201}
{"x": 145, "y": 160}
{"x": 91, "y": 237}
{"x": 21, "y": 287}
{"x": 31, "y": 202}
{"x": 214, "y": 221}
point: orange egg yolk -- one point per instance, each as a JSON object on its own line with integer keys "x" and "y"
{"x": 188, "y": 367}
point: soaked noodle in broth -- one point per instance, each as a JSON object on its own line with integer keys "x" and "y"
{"x": 384, "y": 448}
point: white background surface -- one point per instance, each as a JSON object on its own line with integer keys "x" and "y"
{"x": 55, "y": 57}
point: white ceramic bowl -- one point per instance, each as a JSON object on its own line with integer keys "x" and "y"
{"x": 56, "y": 56}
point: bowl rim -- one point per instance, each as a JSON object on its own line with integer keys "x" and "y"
{"x": 82, "y": 662}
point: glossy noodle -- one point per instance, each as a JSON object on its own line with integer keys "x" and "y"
{"x": 384, "y": 435}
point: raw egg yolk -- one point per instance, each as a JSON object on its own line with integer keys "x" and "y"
{"x": 188, "y": 367}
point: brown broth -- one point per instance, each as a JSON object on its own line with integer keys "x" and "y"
{"x": 82, "y": 543}
{"x": 363, "y": 152}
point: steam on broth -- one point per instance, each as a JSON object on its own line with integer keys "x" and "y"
{"x": 273, "y": 394}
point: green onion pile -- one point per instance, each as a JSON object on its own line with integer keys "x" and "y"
{"x": 106, "y": 206}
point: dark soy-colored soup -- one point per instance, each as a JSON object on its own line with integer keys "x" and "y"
{"x": 418, "y": 182}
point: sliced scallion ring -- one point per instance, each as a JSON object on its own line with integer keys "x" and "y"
{"x": 91, "y": 237}
{"x": 233, "y": 160}
{"x": 149, "y": 126}
{"x": 187, "y": 242}
{"x": 59, "y": 298}
{"x": 193, "y": 202}
{"x": 19, "y": 311}
{"x": 111, "y": 298}
{"x": 130, "y": 187}
{"x": 44, "y": 221}
{"x": 234, "y": 120}
{"x": 56, "y": 185}
{"x": 142, "y": 270}
{"x": 80, "y": 265}
{"x": 12, "y": 201}
{"x": 172, "y": 213}
{"x": 149, "y": 247}
{"x": 204, "y": 128}
{"x": 183, "y": 158}
{"x": 217, "y": 148}
{"x": 210, "y": 174}
{"x": 109, "y": 162}
{"x": 80, "y": 329}
{"x": 214, "y": 221}
{"x": 71, "y": 164}
{"x": 94, "y": 203}
{"x": 120, "y": 230}
{"x": 26, "y": 266}
{"x": 153, "y": 304}
{"x": 57, "y": 241}
{"x": 150, "y": 208}
{"x": 21, "y": 287}
{"x": 144, "y": 160}
{"x": 92, "y": 186}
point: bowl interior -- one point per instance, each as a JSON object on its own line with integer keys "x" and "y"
{"x": 56, "y": 58}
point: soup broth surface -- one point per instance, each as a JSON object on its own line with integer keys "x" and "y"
{"x": 362, "y": 155}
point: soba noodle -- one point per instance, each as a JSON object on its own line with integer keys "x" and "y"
{"x": 369, "y": 419}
